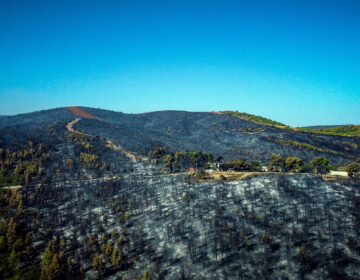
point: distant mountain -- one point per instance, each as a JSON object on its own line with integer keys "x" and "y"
{"x": 325, "y": 126}
{"x": 222, "y": 134}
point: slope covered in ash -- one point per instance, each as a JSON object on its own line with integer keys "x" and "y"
{"x": 268, "y": 227}
{"x": 220, "y": 134}
{"x": 16, "y": 131}
{"x": 88, "y": 210}
{"x": 44, "y": 116}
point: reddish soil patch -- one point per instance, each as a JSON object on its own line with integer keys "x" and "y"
{"x": 216, "y": 113}
{"x": 78, "y": 112}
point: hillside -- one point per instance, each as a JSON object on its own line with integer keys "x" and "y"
{"x": 93, "y": 194}
{"x": 224, "y": 135}
{"x": 253, "y": 118}
{"x": 324, "y": 126}
{"x": 343, "y": 130}
{"x": 271, "y": 227}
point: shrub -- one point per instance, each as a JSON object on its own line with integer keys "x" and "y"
{"x": 277, "y": 162}
{"x": 293, "y": 163}
{"x": 320, "y": 165}
{"x": 237, "y": 165}
{"x": 306, "y": 168}
{"x": 353, "y": 170}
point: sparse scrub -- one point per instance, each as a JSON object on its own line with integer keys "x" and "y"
{"x": 253, "y": 118}
{"x": 305, "y": 146}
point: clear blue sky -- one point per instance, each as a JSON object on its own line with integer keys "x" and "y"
{"x": 297, "y": 62}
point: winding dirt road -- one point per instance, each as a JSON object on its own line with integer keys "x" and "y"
{"x": 70, "y": 128}
{"x": 109, "y": 143}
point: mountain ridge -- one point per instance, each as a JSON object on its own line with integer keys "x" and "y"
{"x": 244, "y": 115}
{"x": 221, "y": 134}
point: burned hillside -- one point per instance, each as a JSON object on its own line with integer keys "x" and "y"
{"x": 220, "y": 134}
{"x": 268, "y": 227}
{"x": 106, "y": 195}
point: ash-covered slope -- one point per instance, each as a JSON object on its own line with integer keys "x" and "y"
{"x": 44, "y": 116}
{"x": 268, "y": 227}
{"x": 16, "y": 131}
{"x": 219, "y": 134}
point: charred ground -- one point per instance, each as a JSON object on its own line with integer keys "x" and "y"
{"x": 93, "y": 206}
{"x": 220, "y": 134}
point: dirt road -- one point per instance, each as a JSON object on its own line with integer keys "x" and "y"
{"x": 109, "y": 143}
{"x": 69, "y": 127}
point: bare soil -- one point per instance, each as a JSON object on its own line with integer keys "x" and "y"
{"x": 78, "y": 112}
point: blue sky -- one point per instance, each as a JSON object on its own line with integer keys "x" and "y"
{"x": 297, "y": 62}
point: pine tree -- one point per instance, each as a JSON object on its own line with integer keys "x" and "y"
{"x": 116, "y": 257}
{"x": 62, "y": 243}
{"x": 97, "y": 263}
{"x": 13, "y": 259}
{"x": 108, "y": 249}
{"x": 147, "y": 275}
{"x": 28, "y": 239}
{"x": 11, "y": 231}
{"x": 48, "y": 255}
{"x": 114, "y": 234}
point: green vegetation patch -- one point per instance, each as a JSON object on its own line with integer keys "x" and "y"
{"x": 347, "y": 130}
{"x": 301, "y": 145}
{"x": 239, "y": 165}
{"x": 353, "y": 145}
{"x": 18, "y": 167}
{"x": 8, "y": 179}
{"x": 177, "y": 161}
{"x": 253, "y": 118}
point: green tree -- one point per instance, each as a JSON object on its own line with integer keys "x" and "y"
{"x": 18, "y": 244}
{"x": 306, "y": 168}
{"x": 353, "y": 169}
{"x": 116, "y": 257}
{"x": 28, "y": 238}
{"x": 241, "y": 165}
{"x": 2, "y": 243}
{"x": 146, "y": 275}
{"x": 178, "y": 156}
{"x": 237, "y": 165}
{"x": 320, "y": 165}
{"x": 62, "y": 243}
{"x": 293, "y": 163}
{"x": 158, "y": 153}
{"x": 276, "y": 163}
{"x": 30, "y": 251}
{"x": 48, "y": 255}
{"x": 97, "y": 263}
{"x": 69, "y": 163}
{"x": 11, "y": 231}
{"x": 55, "y": 269}
{"x": 90, "y": 242}
{"x": 168, "y": 160}
{"x": 109, "y": 249}
{"x": 114, "y": 234}
{"x": 14, "y": 259}
{"x": 103, "y": 236}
